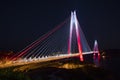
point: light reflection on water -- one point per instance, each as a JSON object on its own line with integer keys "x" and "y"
{"x": 96, "y": 59}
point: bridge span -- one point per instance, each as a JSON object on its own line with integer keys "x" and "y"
{"x": 25, "y": 61}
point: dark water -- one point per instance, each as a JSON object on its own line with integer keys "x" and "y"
{"x": 111, "y": 63}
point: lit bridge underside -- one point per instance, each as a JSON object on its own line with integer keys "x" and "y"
{"x": 42, "y": 59}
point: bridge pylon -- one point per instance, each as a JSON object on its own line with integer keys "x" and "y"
{"x": 96, "y": 50}
{"x": 74, "y": 24}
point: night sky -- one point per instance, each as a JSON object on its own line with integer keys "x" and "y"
{"x": 22, "y": 22}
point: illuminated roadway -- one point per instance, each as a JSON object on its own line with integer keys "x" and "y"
{"x": 25, "y": 61}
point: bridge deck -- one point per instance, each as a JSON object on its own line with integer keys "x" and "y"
{"x": 43, "y": 59}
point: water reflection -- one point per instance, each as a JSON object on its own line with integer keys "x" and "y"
{"x": 96, "y": 59}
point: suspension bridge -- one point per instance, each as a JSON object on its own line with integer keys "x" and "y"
{"x": 64, "y": 41}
